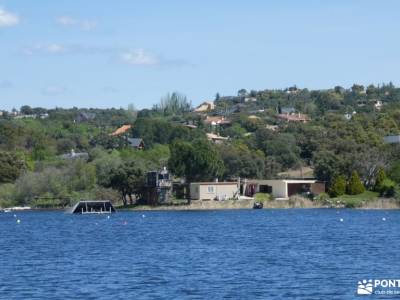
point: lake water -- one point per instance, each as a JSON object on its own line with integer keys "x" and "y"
{"x": 244, "y": 254}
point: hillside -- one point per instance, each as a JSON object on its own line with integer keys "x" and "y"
{"x": 255, "y": 134}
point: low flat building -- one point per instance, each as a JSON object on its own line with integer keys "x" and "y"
{"x": 392, "y": 139}
{"x": 213, "y": 190}
{"x": 75, "y": 155}
{"x": 283, "y": 188}
{"x": 215, "y": 138}
{"x": 294, "y": 117}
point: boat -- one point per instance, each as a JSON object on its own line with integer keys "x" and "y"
{"x": 16, "y": 208}
{"x": 92, "y": 207}
{"x": 258, "y": 205}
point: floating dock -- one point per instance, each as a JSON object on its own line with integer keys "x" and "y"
{"x": 92, "y": 207}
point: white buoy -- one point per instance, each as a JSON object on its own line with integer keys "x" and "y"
{"x": 383, "y": 219}
{"x": 143, "y": 216}
{"x": 341, "y": 220}
{"x": 15, "y": 216}
{"x": 108, "y": 217}
{"x": 18, "y": 221}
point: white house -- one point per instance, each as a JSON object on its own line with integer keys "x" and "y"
{"x": 392, "y": 139}
{"x": 205, "y": 106}
{"x": 213, "y": 190}
{"x": 283, "y": 188}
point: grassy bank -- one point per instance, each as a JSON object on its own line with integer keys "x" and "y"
{"x": 366, "y": 200}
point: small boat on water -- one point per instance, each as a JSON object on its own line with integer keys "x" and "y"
{"x": 16, "y": 208}
{"x": 258, "y": 205}
{"x": 92, "y": 207}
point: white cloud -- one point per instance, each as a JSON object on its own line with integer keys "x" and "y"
{"x": 55, "y": 48}
{"x": 140, "y": 57}
{"x": 8, "y": 19}
{"x": 68, "y": 21}
{"x": 53, "y": 90}
{"x": 45, "y": 49}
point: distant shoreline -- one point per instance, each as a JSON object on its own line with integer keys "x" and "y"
{"x": 379, "y": 203}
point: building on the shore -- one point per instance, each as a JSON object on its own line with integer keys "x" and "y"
{"x": 214, "y": 190}
{"x": 158, "y": 187}
{"x": 282, "y": 188}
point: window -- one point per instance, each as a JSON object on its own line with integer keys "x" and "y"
{"x": 210, "y": 189}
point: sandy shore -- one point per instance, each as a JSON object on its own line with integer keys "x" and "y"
{"x": 274, "y": 204}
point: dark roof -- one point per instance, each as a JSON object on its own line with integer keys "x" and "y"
{"x": 135, "y": 142}
{"x": 288, "y": 110}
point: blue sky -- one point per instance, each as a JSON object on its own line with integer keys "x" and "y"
{"x": 98, "y": 53}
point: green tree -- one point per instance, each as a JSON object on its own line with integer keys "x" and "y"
{"x": 128, "y": 180}
{"x": 338, "y": 186}
{"x": 379, "y": 179}
{"x": 11, "y": 167}
{"x": 196, "y": 162}
{"x": 355, "y": 186}
{"x": 327, "y": 165}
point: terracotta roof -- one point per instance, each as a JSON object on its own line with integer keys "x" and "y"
{"x": 121, "y": 130}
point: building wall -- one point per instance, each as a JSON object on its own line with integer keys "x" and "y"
{"x": 212, "y": 191}
{"x": 318, "y": 188}
{"x": 279, "y": 188}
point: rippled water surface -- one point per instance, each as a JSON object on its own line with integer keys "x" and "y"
{"x": 246, "y": 254}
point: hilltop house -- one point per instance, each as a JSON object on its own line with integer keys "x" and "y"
{"x": 287, "y": 110}
{"x": 136, "y": 143}
{"x": 85, "y": 117}
{"x": 349, "y": 116}
{"x": 216, "y": 120}
{"x": 294, "y": 117}
{"x": 378, "y": 104}
{"x": 205, "y": 107}
{"x": 217, "y": 139}
{"x": 75, "y": 155}
{"x": 392, "y": 139}
{"x": 250, "y": 99}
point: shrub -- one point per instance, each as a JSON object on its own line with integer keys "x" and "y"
{"x": 355, "y": 186}
{"x": 353, "y": 203}
{"x": 380, "y": 178}
{"x": 387, "y": 188}
{"x": 323, "y": 197}
{"x": 338, "y": 187}
{"x": 261, "y": 197}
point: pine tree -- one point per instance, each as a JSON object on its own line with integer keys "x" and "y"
{"x": 380, "y": 178}
{"x": 355, "y": 186}
{"x": 338, "y": 187}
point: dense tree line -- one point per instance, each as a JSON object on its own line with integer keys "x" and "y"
{"x": 342, "y": 144}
